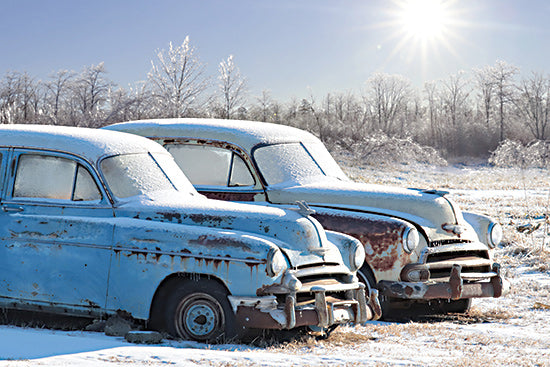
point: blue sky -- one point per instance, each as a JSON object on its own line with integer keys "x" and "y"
{"x": 290, "y": 47}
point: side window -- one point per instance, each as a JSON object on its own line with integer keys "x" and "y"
{"x": 240, "y": 175}
{"x": 50, "y": 177}
{"x": 211, "y": 166}
{"x": 85, "y": 188}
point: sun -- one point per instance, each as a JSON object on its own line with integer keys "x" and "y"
{"x": 423, "y": 32}
{"x": 424, "y": 19}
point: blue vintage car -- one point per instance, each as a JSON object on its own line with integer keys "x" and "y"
{"x": 95, "y": 222}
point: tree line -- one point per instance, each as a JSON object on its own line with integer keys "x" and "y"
{"x": 467, "y": 114}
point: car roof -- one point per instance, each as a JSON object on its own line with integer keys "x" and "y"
{"x": 245, "y": 134}
{"x": 91, "y": 144}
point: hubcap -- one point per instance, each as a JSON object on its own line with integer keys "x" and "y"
{"x": 199, "y": 316}
{"x": 200, "y": 319}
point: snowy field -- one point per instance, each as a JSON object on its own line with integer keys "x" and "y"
{"x": 511, "y": 331}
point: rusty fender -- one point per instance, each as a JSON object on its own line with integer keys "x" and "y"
{"x": 454, "y": 289}
{"x": 381, "y": 236}
{"x": 265, "y": 312}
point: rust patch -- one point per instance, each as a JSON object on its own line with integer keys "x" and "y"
{"x": 219, "y": 242}
{"x": 171, "y": 217}
{"x": 209, "y": 219}
{"x": 383, "y": 237}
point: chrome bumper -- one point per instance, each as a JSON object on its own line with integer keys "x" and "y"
{"x": 455, "y": 288}
{"x": 266, "y": 313}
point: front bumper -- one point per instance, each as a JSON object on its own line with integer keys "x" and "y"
{"x": 458, "y": 286}
{"x": 266, "y": 313}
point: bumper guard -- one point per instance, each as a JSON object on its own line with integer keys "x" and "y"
{"x": 454, "y": 289}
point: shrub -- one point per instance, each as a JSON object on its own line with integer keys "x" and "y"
{"x": 509, "y": 153}
{"x": 380, "y": 149}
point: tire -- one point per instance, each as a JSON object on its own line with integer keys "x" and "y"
{"x": 458, "y": 306}
{"x": 366, "y": 277}
{"x": 200, "y": 311}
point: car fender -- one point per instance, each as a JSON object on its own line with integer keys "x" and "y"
{"x": 143, "y": 256}
{"x": 381, "y": 236}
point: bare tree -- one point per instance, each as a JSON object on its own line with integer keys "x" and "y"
{"x": 503, "y": 75}
{"x": 57, "y": 94}
{"x": 263, "y": 110}
{"x": 534, "y": 104}
{"x": 389, "y": 96}
{"x": 455, "y": 96}
{"x": 19, "y": 98}
{"x": 133, "y": 103}
{"x": 177, "y": 79}
{"x": 486, "y": 85}
{"x": 232, "y": 86}
{"x": 90, "y": 94}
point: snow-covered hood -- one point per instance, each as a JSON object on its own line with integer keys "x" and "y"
{"x": 298, "y": 236}
{"x": 429, "y": 210}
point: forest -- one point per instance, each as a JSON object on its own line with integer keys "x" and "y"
{"x": 496, "y": 114}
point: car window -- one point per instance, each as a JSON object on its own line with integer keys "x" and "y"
{"x": 286, "y": 162}
{"x": 240, "y": 175}
{"x": 85, "y": 186}
{"x": 52, "y": 177}
{"x": 211, "y": 166}
{"x": 293, "y": 162}
{"x": 140, "y": 174}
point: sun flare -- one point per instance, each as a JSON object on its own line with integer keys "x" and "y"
{"x": 422, "y": 32}
{"x": 424, "y": 19}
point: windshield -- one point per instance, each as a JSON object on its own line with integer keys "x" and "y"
{"x": 136, "y": 174}
{"x": 296, "y": 162}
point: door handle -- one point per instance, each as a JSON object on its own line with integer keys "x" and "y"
{"x": 12, "y": 209}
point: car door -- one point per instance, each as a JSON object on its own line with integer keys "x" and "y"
{"x": 217, "y": 172}
{"x": 55, "y": 232}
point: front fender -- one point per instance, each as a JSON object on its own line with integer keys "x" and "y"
{"x": 480, "y": 224}
{"x": 346, "y": 245}
{"x": 143, "y": 256}
{"x": 381, "y": 236}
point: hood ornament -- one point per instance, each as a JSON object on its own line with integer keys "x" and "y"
{"x": 303, "y": 208}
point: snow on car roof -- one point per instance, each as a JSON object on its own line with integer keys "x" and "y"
{"x": 246, "y": 134}
{"x": 89, "y": 143}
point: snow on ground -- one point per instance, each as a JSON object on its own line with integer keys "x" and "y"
{"x": 509, "y": 331}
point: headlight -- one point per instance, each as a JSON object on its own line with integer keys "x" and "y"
{"x": 276, "y": 262}
{"x": 494, "y": 234}
{"x": 410, "y": 239}
{"x": 357, "y": 256}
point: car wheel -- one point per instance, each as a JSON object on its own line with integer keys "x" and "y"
{"x": 458, "y": 306}
{"x": 200, "y": 311}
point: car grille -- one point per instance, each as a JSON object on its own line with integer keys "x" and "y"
{"x": 475, "y": 263}
{"x": 323, "y": 275}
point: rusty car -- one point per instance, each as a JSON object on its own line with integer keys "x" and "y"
{"x": 422, "y": 252}
{"x": 97, "y": 223}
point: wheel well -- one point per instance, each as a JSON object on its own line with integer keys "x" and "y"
{"x": 156, "y": 321}
{"x": 366, "y": 275}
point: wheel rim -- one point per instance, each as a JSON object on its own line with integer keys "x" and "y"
{"x": 199, "y": 317}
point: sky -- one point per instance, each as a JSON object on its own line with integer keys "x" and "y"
{"x": 291, "y": 48}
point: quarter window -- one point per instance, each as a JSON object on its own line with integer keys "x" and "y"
{"x": 50, "y": 177}
{"x": 211, "y": 166}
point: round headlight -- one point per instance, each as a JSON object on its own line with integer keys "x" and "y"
{"x": 357, "y": 256}
{"x": 410, "y": 239}
{"x": 276, "y": 262}
{"x": 494, "y": 234}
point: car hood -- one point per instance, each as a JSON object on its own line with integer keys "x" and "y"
{"x": 429, "y": 209}
{"x": 301, "y": 238}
